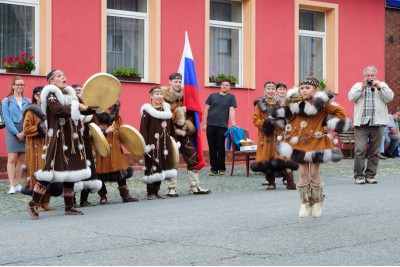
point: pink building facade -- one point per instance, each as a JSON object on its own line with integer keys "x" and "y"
{"x": 72, "y": 36}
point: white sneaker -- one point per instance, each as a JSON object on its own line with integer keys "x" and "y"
{"x": 12, "y": 190}
{"x": 18, "y": 188}
{"x": 360, "y": 181}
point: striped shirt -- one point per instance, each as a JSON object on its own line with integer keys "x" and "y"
{"x": 369, "y": 107}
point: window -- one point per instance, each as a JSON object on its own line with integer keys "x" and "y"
{"x": 312, "y": 44}
{"x": 317, "y": 41}
{"x": 225, "y": 38}
{"x": 19, "y": 29}
{"x": 127, "y": 23}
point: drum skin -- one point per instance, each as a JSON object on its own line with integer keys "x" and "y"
{"x": 132, "y": 139}
{"x": 100, "y": 142}
{"x": 101, "y": 91}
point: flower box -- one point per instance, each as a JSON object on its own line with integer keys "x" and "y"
{"x": 129, "y": 78}
{"x": 18, "y": 70}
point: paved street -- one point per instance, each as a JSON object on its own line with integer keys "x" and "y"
{"x": 239, "y": 223}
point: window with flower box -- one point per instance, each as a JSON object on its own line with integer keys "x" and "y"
{"x": 19, "y": 30}
{"x": 230, "y": 41}
{"x": 127, "y": 27}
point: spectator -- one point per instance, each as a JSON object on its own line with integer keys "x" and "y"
{"x": 219, "y": 107}
{"x": 13, "y": 106}
{"x": 370, "y": 118}
{"x": 392, "y": 134}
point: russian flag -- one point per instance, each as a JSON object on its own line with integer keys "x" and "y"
{"x": 191, "y": 99}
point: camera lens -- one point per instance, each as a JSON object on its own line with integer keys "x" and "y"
{"x": 372, "y": 89}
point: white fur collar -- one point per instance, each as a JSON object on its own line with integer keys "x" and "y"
{"x": 64, "y": 100}
{"x": 165, "y": 114}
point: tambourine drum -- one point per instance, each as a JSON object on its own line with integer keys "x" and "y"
{"x": 101, "y": 91}
{"x": 100, "y": 142}
{"x": 175, "y": 151}
{"x": 131, "y": 139}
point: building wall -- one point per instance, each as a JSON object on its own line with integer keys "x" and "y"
{"x": 76, "y": 41}
{"x": 392, "y": 63}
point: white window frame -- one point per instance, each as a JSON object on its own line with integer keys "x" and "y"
{"x": 316, "y": 34}
{"x": 234, "y": 26}
{"x": 136, "y": 15}
{"x": 35, "y": 4}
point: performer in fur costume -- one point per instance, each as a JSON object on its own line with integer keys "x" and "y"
{"x": 304, "y": 138}
{"x": 157, "y": 128}
{"x": 35, "y": 133}
{"x": 267, "y": 161}
{"x": 184, "y": 128}
{"x": 114, "y": 167}
{"x": 65, "y": 159}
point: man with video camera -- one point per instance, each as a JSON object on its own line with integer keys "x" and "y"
{"x": 370, "y": 118}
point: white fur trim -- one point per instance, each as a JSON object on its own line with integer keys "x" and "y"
{"x": 86, "y": 118}
{"x": 332, "y": 123}
{"x": 63, "y": 176}
{"x": 75, "y": 113}
{"x": 147, "y": 149}
{"x": 327, "y": 155}
{"x": 50, "y": 132}
{"x": 281, "y": 113}
{"x": 293, "y": 92}
{"x": 321, "y": 95}
{"x": 166, "y": 114}
{"x": 75, "y": 135}
{"x": 178, "y": 144}
{"x": 294, "y": 107}
{"x": 285, "y": 150}
{"x": 78, "y": 186}
{"x": 348, "y": 124}
{"x": 170, "y": 173}
{"x": 155, "y": 177}
{"x": 93, "y": 185}
{"x": 310, "y": 109}
{"x": 279, "y": 138}
{"x": 308, "y": 156}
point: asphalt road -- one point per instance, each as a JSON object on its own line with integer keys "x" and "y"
{"x": 239, "y": 223}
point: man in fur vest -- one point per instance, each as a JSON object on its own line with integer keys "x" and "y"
{"x": 184, "y": 128}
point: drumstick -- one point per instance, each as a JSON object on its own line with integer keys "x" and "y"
{"x": 93, "y": 107}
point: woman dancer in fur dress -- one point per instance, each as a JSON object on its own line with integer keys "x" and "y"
{"x": 306, "y": 141}
{"x": 157, "y": 127}
{"x": 267, "y": 161}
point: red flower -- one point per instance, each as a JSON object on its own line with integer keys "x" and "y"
{"x": 23, "y": 53}
{"x": 16, "y": 58}
{"x": 10, "y": 59}
{"x": 4, "y": 59}
{"x": 31, "y": 57}
{"x": 21, "y": 62}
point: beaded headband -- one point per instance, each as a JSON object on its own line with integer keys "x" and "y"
{"x": 155, "y": 90}
{"x": 308, "y": 82}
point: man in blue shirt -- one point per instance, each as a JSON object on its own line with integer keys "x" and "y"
{"x": 392, "y": 134}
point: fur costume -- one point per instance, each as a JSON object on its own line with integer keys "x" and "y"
{"x": 304, "y": 138}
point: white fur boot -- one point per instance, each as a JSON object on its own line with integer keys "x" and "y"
{"x": 317, "y": 198}
{"x": 171, "y": 184}
{"x": 304, "y": 191}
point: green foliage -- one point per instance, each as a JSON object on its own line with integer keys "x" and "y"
{"x": 322, "y": 84}
{"x": 124, "y": 72}
{"x": 220, "y": 77}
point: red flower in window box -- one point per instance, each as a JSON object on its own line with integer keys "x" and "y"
{"x": 19, "y": 63}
